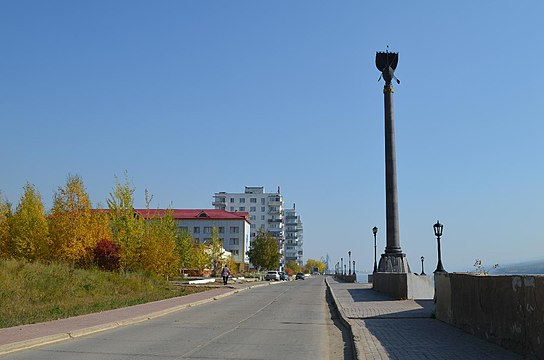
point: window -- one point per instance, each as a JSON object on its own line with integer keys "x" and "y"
{"x": 231, "y": 200}
{"x": 252, "y": 217}
{"x": 234, "y": 229}
{"x": 232, "y": 208}
{"x": 242, "y": 208}
{"x": 253, "y": 208}
{"x": 253, "y": 226}
{"x": 262, "y": 217}
{"x": 252, "y": 234}
{"x": 262, "y": 226}
{"x": 221, "y": 229}
{"x": 253, "y": 200}
{"x": 263, "y": 208}
{"x": 235, "y": 252}
{"x": 207, "y": 229}
{"x": 234, "y": 241}
{"x": 263, "y": 201}
{"x": 196, "y": 230}
{"x": 184, "y": 228}
{"x": 242, "y": 200}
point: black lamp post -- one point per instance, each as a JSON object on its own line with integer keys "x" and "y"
{"x": 353, "y": 267}
{"x": 438, "y": 227}
{"x": 375, "y": 231}
{"x": 345, "y": 271}
{"x": 349, "y": 261}
{"x": 342, "y": 265}
{"x": 422, "y": 270}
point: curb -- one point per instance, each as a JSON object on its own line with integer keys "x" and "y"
{"x": 353, "y": 328}
{"x": 50, "y": 339}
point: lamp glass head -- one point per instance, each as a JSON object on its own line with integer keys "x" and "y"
{"x": 438, "y": 227}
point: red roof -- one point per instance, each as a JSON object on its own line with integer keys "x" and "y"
{"x": 195, "y": 214}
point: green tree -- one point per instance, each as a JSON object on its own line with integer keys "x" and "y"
{"x": 264, "y": 251}
{"x": 126, "y": 225}
{"x": 29, "y": 230}
{"x": 70, "y": 224}
{"x": 5, "y": 224}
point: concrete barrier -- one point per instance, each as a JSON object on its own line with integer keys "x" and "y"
{"x": 403, "y": 285}
{"x": 506, "y": 310}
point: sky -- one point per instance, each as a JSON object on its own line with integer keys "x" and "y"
{"x": 190, "y": 98}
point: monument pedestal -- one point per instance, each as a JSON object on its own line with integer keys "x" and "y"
{"x": 394, "y": 263}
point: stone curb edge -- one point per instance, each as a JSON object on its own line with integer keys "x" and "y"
{"x": 353, "y": 328}
{"x": 50, "y": 339}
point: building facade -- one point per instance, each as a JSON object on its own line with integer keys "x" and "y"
{"x": 233, "y": 227}
{"x": 266, "y": 211}
{"x": 294, "y": 235}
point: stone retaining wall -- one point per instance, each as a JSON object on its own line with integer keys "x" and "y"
{"x": 506, "y": 310}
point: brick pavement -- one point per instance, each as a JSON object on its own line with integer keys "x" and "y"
{"x": 384, "y": 328}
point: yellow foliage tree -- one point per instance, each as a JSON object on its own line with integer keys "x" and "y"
{"x": 158, "y": 251}
{"x": 70, "y": 223}
{"x": 5, "y": 237}
{"x": 29, "y": 230}
{"x": 126, "y": 226}
{"x": 312, "y": 264}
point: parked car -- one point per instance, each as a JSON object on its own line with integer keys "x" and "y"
{"x": 284, "y": 276}
{"x": 272, "y": 275}
{"x": 299, "y": 276}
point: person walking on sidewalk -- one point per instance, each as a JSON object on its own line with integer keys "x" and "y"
{"x": 225, "y": 274}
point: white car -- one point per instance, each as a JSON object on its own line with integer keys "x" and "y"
{"x": 272, "y": 275}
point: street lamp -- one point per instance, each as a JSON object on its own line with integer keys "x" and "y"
{"x": 375, "y": 231}
{"x": 345, "y": 272}
{"x": 438, "y": 227}
{"x": 342, "y": 265}
{"x": 422, "y": 271}
{"x": 349, "y": 261}
{"x": 353, "y": 267}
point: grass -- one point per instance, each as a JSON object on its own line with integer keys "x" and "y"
{"x": 33, "y": 292}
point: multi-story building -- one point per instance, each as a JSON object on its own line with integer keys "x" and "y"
{"x": 265, "y": 211}
{"x": 233, "y": 227}
{"x": 293, "y": 236}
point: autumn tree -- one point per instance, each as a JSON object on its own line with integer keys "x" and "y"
{"x": 70, "y": 223}
{"x": 158, "y": 249}
{"x": 185, "y": 244}
{"x": 292, "y": 267}
{"x": 29, "y": 230}
{"x": 201, "y": 258}
{"x": 126, "y": 225}
{"x": 216, "y": 250}
{"x": 312, "y": 264}
{"x": 264, "y": 251}
{"x": 5, "y": 220}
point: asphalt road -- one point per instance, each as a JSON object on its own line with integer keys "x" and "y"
{"x": 288, "y": 320}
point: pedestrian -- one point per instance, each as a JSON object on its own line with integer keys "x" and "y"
{"x": 225, "y": 274}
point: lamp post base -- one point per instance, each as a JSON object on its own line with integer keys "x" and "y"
{"x": 394, "y": 263}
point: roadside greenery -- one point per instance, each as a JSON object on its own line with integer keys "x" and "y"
{"x": 37, "y": 292}
{"x": 264, "y": 252}
{"x": 116, "y": 238}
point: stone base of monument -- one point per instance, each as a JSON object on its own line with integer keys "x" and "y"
{"x": 404, "y": 286}
{"x": 395, "y": 279}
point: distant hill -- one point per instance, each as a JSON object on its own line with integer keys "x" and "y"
{"x": 535, "y": 267}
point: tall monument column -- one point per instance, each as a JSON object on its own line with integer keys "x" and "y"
{"x": 393, "y": 260}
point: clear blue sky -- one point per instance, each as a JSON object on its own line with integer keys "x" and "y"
{"x": 196, "y": 97}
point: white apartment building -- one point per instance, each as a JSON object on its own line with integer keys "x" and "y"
{"x": 265, "y": 211}
{"x": 293, "y": 236}
{"x": 233, "y": 227}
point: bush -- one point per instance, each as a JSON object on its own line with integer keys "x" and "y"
{"x": 107, "y": 255}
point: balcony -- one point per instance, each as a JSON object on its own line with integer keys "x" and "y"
{"x": 275, "y": 220}
{"x": 274, "y": 202}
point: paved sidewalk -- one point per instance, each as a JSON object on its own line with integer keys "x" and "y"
{"x": 27, "y": 336}
{"x": 384, "y": 328}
